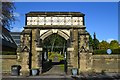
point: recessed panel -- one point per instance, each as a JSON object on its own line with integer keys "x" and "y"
{"x": 34, "y": 20}
{"x": 29, "y": 20}
{"x": 48, "y": 20}
{"x": 41, "y": 20}
{"x": 75, "y": 21}
{"x": 68, "y": 20}
{"x": 55, "y": 21}
{"x": 61, "y": 20}
{"x": 80, "y": 21}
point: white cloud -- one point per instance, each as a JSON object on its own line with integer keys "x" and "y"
{"x": 109, "y": 40}
{"x": 100, "y": 40}
{"x": 17, "y": 29}
{"x": 16, "y": 14}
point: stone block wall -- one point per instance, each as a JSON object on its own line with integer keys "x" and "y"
{"x": 74, "y": 54}
{"x": 85, "y": 62}
{"x": 35, "y": 54}
{"x": 7, "y": 62}
{"x": 106, "y": 63}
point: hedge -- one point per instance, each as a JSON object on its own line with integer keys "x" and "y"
{"x": 114, "y": 51}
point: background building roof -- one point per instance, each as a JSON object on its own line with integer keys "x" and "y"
{"x": 7, "y": 40}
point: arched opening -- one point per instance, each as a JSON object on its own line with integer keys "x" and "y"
{"x": 54, "y": 54}
{"x": 45, "y": 33}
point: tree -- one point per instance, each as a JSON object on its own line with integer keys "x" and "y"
{"x": 103, "y": 45}
{"x": 95, "y": 42}
{"x": 7, "y": 14}
{"x": 90, "y": 42}
{"x": 114, "y": 44}
{"x": 55, "y": 40}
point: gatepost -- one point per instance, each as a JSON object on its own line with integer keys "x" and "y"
{"x": 39, "y": 58}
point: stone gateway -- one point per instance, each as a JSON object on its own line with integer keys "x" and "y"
{"x": 69, "y": 25}
{"x": 75, "y": 50}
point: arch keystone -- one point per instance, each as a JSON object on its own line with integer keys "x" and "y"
{"x": 54, "y": 30}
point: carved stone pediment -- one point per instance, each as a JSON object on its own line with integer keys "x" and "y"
{"x": 25, "y": 49}
{"x": 83, "y": 49}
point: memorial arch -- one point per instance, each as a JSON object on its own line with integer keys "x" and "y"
{"x": 69, "y": 25}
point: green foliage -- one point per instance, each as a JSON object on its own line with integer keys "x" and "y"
{"x": 114, "y": 51}
{"x": 103, "y": 45}
{"x": 49, "y": 54}
{"x": 8, "y": 53}
{"x": 7, "y": 12}
{"x": 55, "y": 40}
{"x": 99, "y": 52}
{"x": 95, "y": 43}
{"x": 114, "y": 44}
{"x": 90, "y": 41}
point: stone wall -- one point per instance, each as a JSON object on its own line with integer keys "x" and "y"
{"x": 75, "y": 51}
{"x": 7, "y": 62}
{"x": 35, "y": 54}
{"x": 106, "y": 63}
{"x": 85, "y": 62}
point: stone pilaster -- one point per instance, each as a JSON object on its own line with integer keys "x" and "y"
{"x": 69, "y": 60}
{"x": 75, "y": 46}
{"x": 35, "y": 54}
{"x": 39, "y": 59}
{"x": 25, "y": 64}
{"x": 24, "y": 56}
{"x": 85, "y": 62}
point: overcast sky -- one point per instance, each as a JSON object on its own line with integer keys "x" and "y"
{"x": 100, "y": 17}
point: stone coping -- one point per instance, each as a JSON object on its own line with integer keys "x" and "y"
{"x": 106, "y": 56}
{"x": 55, "y": 27}
{"x": 8, "y": 57}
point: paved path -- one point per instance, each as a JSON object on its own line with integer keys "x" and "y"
{"x": 55, "y": 70}
{"x": 55, "y": 77}
{"x": 66, "y": 77}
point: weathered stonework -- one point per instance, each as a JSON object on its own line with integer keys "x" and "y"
{"x": 7, "y": 61}
{"x": 34, "y": 52}
{"x": 24, "y": 56}
{"x": 25, "y": 71}
{"x": 78, "y": 51}
{"x": 75, "y": 35}
{"x": 106, "y": 63}
{"x": 85, "y": 62}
